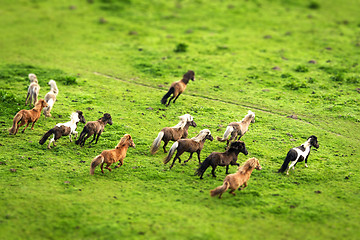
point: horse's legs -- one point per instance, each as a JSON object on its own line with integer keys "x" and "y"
{"x": 85, "y": 138}
{"x": 102, "y": 167}
{"x": 93, "y": 138}
{"x": 27, "y": 98}
{"x": 107, "y": 167}
{"x": 98, "y": 135}
{"x": 165, "y": 143}
{"x": 244, "y": 186}
{"x": 32, "y": 126}
{"x": 291, "y": 166}
{"x": 198, "y": 153}
{"x": 232, "y": 192}
{"x": 227, "y": 169}
{"x": 176, "y": 97}
{"x": 190, "y": 157}
{"x": 25, "y": 127}
{"x": 119, "y": 165}
{"x": 170, "y": 100}
{"x": 213, "y": 171}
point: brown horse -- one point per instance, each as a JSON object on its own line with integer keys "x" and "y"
{"x": 192, "y": 145}
{"x": 27, "y": 117}
{"x": 173, "y": 133}
{"x": 114, "y": 155}
{"x": 226, "y": 158}
{"x": 94, "y": 127}
{"x": 178, "y": 87}
{"x": 236, "y": 180}
{"x": 237, "y": 128}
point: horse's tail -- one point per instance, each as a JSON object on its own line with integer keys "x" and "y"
{"x": 17, "y": 119}
{"x": 167, "y": 95}
{"x": 95, "y": 162}
{"x": 204, "y": 165}
{"x": 46, "y": 136}
{"x": 286, "y": 163}
{"x": 156, "y": 144}
{"x": 82, "y": 135}
{"x": 171, "y": 152}
{"x": 227, "y": 132}
{"x": 220, "y": 190}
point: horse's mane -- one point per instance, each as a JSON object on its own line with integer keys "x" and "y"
{"x": 183, "y": 120}
{"x": 123, "y": 140}
{"x": 75, "y": 116}
{"x": 248, "y": 116}
{"x": 202, "y": 134}
{"x": 250, "y": 163}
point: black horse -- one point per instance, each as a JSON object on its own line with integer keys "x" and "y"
{"x": 229, "y": 157}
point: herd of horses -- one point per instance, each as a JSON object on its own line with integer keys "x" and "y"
{"x": 178, "y": 134}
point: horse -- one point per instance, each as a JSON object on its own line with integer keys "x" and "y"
{"x": 64, "y": 129}
{"x": 175, "y": 133}
{"x": 94, "y": 127}
{"x": 178, "y": 87}
{"x": 229, "y": 157}
{"x": 237, "y": 128}
{"x": 33, "y": 90}
{"x": 27, "y": 117}
{"x": 299, "y": 154}
{"x": 192, "y": 145}
{"x": 236, "y": 180}
{"x": 112, "y": 156}
{"x": 50, "y": 97}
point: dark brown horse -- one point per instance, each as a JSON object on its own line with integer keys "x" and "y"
{"x": 94, "y": 128}
{"x": 27, "y": 117}
{"x": 192, "y": 145}
{"x": 178, "y": 87}
{"x": 229, "y": 157}
{"x": 173, "y": 133}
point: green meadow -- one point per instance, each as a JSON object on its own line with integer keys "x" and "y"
{"x": 294, "y": 63}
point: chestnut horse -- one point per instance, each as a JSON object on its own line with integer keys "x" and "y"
{"x": 112, "y": 156}
{"x": 178, "y": 87}
{"x": 237, "y": 128}
{"x": 236, "y": 180}
{"x": 27, "y": 117}
{"x": 192, "y": 145}
{"x": 173, "y": 133}
{"x": 94, "y": 127}
{"x": 226, "y": 158}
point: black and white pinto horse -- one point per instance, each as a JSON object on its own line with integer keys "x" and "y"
{"x": 299, "y": 154}
{"x": 64, "y": 129}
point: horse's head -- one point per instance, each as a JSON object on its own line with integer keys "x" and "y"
{"x": 126, "y": 139}
{"x": 313, "y": 141}
{"x": 257, "y": 164}
{"x": 192, "y": 123}
{"x": 209, "y": 137}
{"x": 107, "y": 118}
{"x": 33, "y": 78}
{"x": 81, "y": 117}
{"x": 251, "y": 163}
{"x": 251, "y": 115}
{"x": 239, "y": 146}
{"x": 41, "y": 103}
{"x": 189, "y": 75}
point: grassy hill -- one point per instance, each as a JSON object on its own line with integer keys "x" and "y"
{"x": 277, "y": 58}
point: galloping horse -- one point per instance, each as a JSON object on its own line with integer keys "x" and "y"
{"x": 192, "y": 145}
{"x": 178, "y": 87}
{"x": 173, "y": 133}
{"x": 237, "y": 128}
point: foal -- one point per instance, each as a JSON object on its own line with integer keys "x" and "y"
{"x": 237, "y": 128}
{"x": 175, "y": 133}
{"x": 112, "y": 156}
{"x": 229, "y": 157}
{"x": 178, "y": 87}
{"x": 299, "y": 154}
{"x": 94, "y": 128}
{"x": 50, "y": 97}
{"x": 33, "y": 90}
{"x": 27, "y": 117}
{"x": 64, "y": 129}
{"x": 236, "y": 180}
{"x": 192, "y": 145}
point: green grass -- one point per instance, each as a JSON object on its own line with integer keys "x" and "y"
{"x": 121, "y": 56}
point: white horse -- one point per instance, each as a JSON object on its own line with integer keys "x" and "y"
{"x": 33, "y": 90}
{"x": 64, "y": 129}
{"x": 50, "y": 97}
{"x": 237, "y": 128}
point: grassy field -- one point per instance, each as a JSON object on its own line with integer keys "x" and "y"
{"x": 277, "y": 58}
